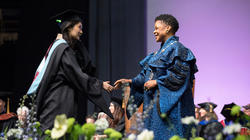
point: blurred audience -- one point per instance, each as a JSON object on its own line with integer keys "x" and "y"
{"x": 90, "y": 119}
{"x": 209, "y": 126}
{"x": 246, "y": 109}
{"x": 102, "y": 115}
{"x": 226, "y": 112}
{"x": 22, "y": 114}
{"x": 205, "y": 108}
{"x": 118, "y": 123}
{"x": 197, "y": 112}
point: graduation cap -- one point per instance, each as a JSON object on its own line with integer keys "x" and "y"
{"x": 246, "y": 106}
{"x": 117, "y": 98}
{"x": 66, "y": 18}
{"x": 226, "y": 111}
{"x": 208, "y": 106}
{"x": 5, "y": 96}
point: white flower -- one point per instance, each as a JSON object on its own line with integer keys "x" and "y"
{"x": 60, "y": 126}
{"x": 233, "y": 128}
{"x": 189, "y": 120}
{"x": 146, "y": 135}
{"x": 132, "y": 137}
{"x": 101, "y": 124}
{"x": 14, "y": 132}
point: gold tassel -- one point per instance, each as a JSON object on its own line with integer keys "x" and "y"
{"x": 211, "y": 108}
{"x": 8, "y": 105}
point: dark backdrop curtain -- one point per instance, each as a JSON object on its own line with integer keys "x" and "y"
{"x": 117, "y": 37}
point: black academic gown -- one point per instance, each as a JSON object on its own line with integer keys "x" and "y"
{"x": 67, "y": 84}
{"x": 209, "y": 130}
{"x": 121, "y": 125}
{"x": 7, "y": 121}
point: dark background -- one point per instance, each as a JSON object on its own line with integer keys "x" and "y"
{"x": 114, "y": 32}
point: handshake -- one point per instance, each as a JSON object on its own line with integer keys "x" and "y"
{"x": 117, "y": 85}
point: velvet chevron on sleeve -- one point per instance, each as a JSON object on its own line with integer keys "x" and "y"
{"x": 177, "y": 75}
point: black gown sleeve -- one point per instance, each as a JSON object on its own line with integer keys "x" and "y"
{"x": 81, "y": 81}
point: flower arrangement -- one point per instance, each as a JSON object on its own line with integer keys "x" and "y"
{"x": 32, "y": 128}
{"x": 233, "y": 128}
{"x": 60, "y": 126}
{"x": 17, "y": 133}
{"x": 144, "y": 135}
{"x": 101, "y": 124}
{"x": 189, "y": 120}
{"x": 68, "y": 128}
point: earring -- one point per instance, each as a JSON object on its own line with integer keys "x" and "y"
{"x": 167, "y": 31}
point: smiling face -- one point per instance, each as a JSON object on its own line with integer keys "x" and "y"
{"x": 161, "y": 31}
{"x": 76, "y": 31}
{"x": 203, "y": 112}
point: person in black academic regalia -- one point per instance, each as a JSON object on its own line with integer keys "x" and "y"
{"x": 65, "y": 78}
{"x": 115, "y": 107}
{"x": 246, "y": 109}
{"x": 7, "y": 119}
{"x": 209, "y": 127}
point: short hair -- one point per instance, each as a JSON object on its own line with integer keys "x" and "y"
{"x": 169, "y": 20}
{"x": 90, "y": 117}
{"x": 21, "y": 109}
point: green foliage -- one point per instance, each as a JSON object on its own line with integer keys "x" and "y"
{"x": 115, "y": 135}
{"x": 109, "y": 131}
{"x": 219, "y": 136}
{"x": 242, "y": 137}
{"x": 198, "y": 138}
{"x": 175, "y": 137}
{"x": 193, "y": 132}
{"x": 76, "y": 132}
{"x": 47, "y": 132}
{"x": 112, "y": 134}
{"x": 37, "y": 125}
{"x": 88, "y": 130}
{"x": 235, "y": 110}
{"x": 71, "y": 122}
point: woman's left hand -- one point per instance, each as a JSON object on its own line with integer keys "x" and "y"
{"x": 150, "y": 84}
{"x": 107, "y": 86}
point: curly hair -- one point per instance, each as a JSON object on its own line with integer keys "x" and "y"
{"x": 169, "y": 20}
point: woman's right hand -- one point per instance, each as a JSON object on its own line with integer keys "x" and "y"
{"x": 119, "y": 83}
